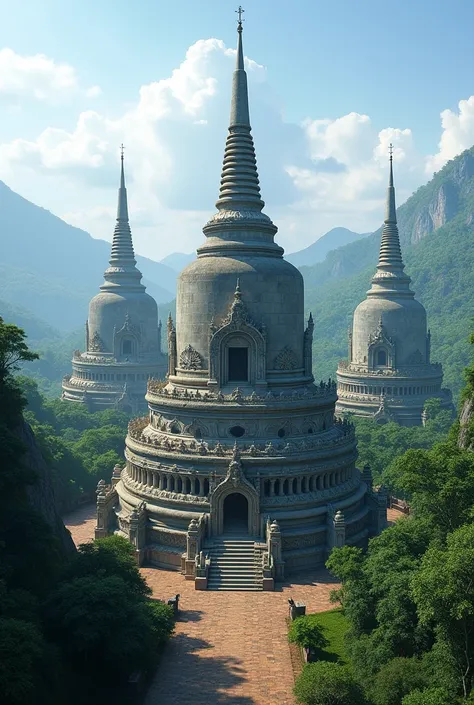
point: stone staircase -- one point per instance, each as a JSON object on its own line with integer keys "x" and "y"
{"x": 236, "y": 564}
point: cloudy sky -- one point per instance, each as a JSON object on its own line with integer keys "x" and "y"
{"x": 331, "y": 84}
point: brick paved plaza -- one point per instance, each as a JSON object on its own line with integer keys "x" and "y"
{"x": 229, "y": 648}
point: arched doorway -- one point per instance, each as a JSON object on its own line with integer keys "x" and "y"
{"x": 236, "y": 511}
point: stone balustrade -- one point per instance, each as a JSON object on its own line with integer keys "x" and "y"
{"x": 323, "y": 390}
{"x": 341, "y": 434}
{"x": 191, "y": 486}
{"x": 422, "y": 370}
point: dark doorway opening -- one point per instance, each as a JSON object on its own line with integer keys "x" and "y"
{"x": 238, "y": 365}
{"x": 236, "y": 512}
{"x": 127, "y": 347}
{"x": 381, "y": 357}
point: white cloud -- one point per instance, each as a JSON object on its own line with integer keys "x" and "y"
{"x": 457, "y": 135}
{"x": 38, "y": 77}
{"x": 314, "y": 176}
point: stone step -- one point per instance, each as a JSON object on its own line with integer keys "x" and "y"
{"x": 235, "y": 588}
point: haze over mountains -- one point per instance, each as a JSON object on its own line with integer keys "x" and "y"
{"x": 337, "y": 237}
{"x": 53, "y": 269}
{"x": 49, "y": 271}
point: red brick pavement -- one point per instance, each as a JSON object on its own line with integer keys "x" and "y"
{"x": 229, "y": 648}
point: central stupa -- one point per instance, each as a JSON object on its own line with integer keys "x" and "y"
{"x": 240, "y": 472}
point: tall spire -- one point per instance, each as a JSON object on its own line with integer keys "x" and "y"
{"x": 390, "y": 277}
{"x": 240, "y": 204}
{"x": 122, "y": 271}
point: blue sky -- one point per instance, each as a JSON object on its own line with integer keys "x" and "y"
{"x": 332, "y": 82}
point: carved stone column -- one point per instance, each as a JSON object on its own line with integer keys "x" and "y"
{"x": 172, "y": 353}
{"x": 188, "y": 561}
{"x": 137, "y": 535}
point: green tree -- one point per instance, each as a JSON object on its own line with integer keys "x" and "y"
{"x": 325, "y": 683}
{"x": 101, "y": 631}
{"x": 430, "y": 696}
{"x": 396, "y": 679}
{"x": 307, "y": 632}
{"x": 439, "y": 482}
{"x": 13, "y": 349}
{"x": 107, "y": 557}
{"x": 443, "y": 591}
{"x": 22, "y": 662}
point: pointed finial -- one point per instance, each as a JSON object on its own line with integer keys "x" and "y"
{"x": 240, "y": 12}
{"x": 390, "y": 150}
{"x": 121, "y": 151}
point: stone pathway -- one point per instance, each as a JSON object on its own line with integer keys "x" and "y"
{"x": 229, "y": 648}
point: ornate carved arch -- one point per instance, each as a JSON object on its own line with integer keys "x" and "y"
{"x": 238, "y": 323}
{"x": 234, "y": 482}
{"x": 381, "y": 341}
{"x": 128, "y": 331}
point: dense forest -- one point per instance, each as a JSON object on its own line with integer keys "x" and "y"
{"x": 74, "y": 624}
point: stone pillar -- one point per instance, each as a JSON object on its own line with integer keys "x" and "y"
{"x": 298, "y": 485}
{"x": 116, "y": 474}
{"x": 101, "y": 529}
{"x": 156, "y": 480}
{"x": 137, "y": 531}
{"x": 336, "y": 529}
{"x": 188, "y": 560}
{"x": 367, "y": 477}
{"x": 272, "y": 487}
{"x": 274, "y": 554}
{"x": 339, "y": 524}
{"x": 172, "y": 353}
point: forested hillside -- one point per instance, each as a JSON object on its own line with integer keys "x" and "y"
{"x": 437, "y": 233}
{"x": 53, "y": 269}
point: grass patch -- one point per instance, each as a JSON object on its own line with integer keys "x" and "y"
{"x": 335, "y": 626}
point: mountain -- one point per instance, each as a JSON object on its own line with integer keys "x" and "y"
{"x": 178, "y": 260}
{"x": 317, "y": 252}
{"x": 437, "y": 235}
{"x": 53, "y": 269}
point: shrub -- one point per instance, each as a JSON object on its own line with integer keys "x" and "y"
{"x": 307, "y": 632}
{"x": 325, "y": 683}
{"x": 431, "y": 696}
{"x": 397, "y": 678}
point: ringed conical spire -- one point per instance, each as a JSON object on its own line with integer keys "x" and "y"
{"x": 239, "y": 204}
{"x": 390, "y": 275}
{"x": 123, "y": 271}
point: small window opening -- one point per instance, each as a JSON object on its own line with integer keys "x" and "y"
{"x": 281, "y": 433}
{"x": 381, "y": 357}
{"x": 236, "y": 431}
{"x": 238, "y": 365}
{"x": 127, "y": 347}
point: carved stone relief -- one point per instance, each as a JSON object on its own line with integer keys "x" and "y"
{"x": 286, "y": 359}
{"x": 96, "y": 343}
{"x": 190, "y": 359}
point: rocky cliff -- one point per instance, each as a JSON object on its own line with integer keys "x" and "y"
{"x": 41, "y": 494}
{"x": 431, "y": 207}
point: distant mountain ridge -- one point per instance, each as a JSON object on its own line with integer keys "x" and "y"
{"x": 437, "y": 236}
{"x": 317, "y": 252}
{"x": 53, "y": 269}
{"x": 178, "y": 260}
